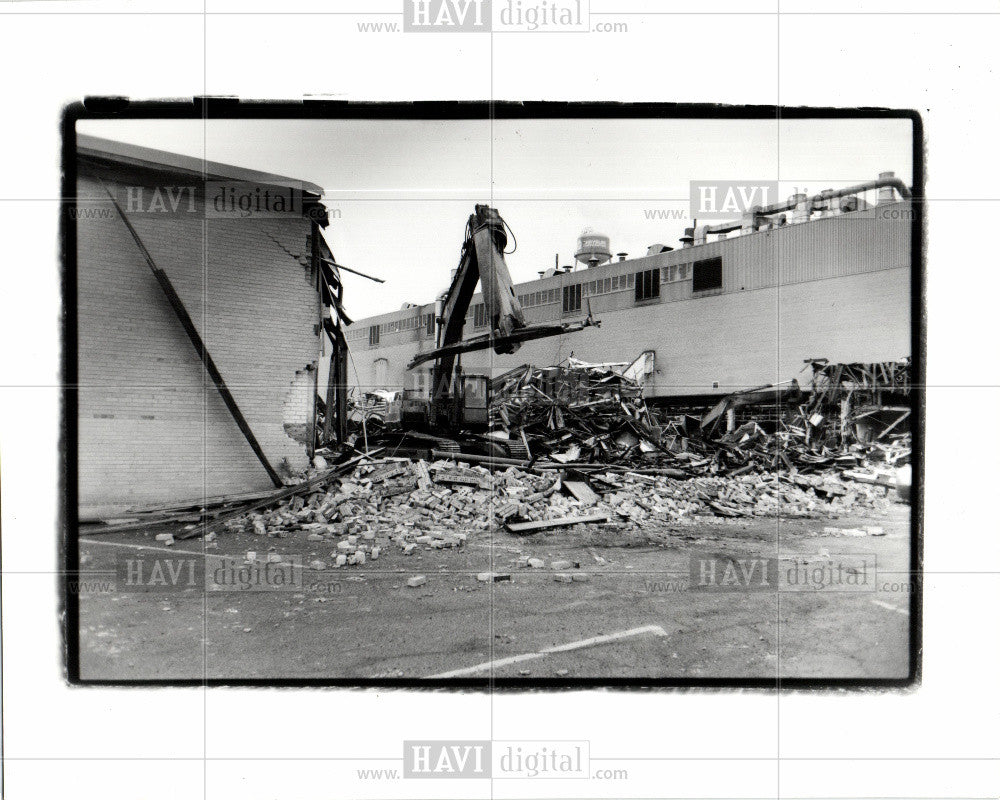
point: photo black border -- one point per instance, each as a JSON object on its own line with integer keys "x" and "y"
{"x": 110, "y": 108}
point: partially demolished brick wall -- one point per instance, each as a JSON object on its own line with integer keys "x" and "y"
{"x": 152, "y": 426}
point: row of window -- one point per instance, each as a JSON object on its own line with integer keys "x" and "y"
{"x": 572, "y": 297}
{"x": 647, "y": 284}
{"x": 615, "y": 283}
{"x": 706, "y": 275}
{"x": 676, "y": 272}
{"x": 421, "y": 322}
{"x": 542, "y": 298}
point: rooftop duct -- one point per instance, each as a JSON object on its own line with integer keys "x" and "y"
{"x": 886, "y": 183}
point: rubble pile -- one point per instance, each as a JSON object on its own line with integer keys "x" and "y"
{"x": 409, "y": 505}
{"x": 584, "y": 414}
{"x": 640, "y": 499}
{"x": 596, "y": 454}
{"x": 574, "y": 412}
{"x": 388, "y": 503}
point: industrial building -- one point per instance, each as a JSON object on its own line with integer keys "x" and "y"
{"x": 202, "y": 318}
{"x": 735, "y": 306}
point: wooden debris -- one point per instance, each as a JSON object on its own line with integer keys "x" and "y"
{"x": 544, "y": 524}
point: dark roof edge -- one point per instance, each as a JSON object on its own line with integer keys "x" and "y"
{"x": 148, "y": 158}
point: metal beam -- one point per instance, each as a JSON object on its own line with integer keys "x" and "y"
{"x": 353, "y": 271}
{"x": 489, "y": 340}
{"x": 199, "y": 345}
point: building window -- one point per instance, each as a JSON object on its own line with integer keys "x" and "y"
{"x": 429, "y": 324}
{"x": 707, "y": 275}
{"x": 373, "y": 335}
{"x": 630, "y": 280}
{"x": 479, "y": 315}
{"x": 572, "y": 296}
{"x": 647, "y": 285}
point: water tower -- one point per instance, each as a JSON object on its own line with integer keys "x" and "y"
{"x": 593, "y": 248}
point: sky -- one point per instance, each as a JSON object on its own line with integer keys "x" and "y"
{"x": 400, "y": 191}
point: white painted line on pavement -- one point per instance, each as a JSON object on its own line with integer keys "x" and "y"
{"x": 610, "y": 637}
{"x": 562, "y": 648}
{"x": 891, "y": 607}
{"x": 204, "y": 554}
{"x": 153, "y": 547}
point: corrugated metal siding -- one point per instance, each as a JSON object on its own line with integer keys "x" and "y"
{"x": 848, "y": 244}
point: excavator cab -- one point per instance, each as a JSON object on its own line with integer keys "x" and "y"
{"x": 464, "y": 406}
{"x": 475, "y": 401}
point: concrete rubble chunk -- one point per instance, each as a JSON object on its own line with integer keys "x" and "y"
{"x": 416, "y": 580}
{"x": 493, "y": 577}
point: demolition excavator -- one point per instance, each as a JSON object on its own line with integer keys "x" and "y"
{"x": 459, "y": 401}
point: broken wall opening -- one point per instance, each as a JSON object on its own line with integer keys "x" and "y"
{"x": 297, "y": 408}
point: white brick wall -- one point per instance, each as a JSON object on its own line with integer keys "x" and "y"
{"x": 152, "y": 426}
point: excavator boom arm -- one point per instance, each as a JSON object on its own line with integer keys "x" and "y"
{"x": 482, "y": 263}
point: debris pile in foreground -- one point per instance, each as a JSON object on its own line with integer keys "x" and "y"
{"x": 409, "y": 505}
{"x": 596, "y": 454}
